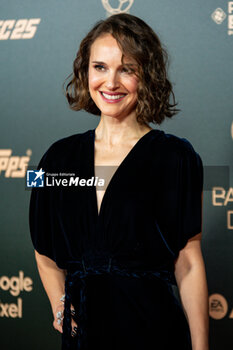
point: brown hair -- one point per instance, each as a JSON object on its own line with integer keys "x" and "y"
{"x": 138, "y": 41}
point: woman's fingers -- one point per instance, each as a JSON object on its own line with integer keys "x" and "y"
{"x": 57, "y": 326}
{"x": 58, "y": 317}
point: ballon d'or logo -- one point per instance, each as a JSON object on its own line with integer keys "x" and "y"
{"x": 123, "y": 6}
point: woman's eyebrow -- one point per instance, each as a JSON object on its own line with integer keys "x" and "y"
{"x": 100, "y": 62}
{"x": 128, "y": 64}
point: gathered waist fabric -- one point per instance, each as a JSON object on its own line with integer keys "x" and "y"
{"x": 77, "y": 272}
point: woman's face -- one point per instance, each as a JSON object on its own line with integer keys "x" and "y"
{"x": 112, "y": 86}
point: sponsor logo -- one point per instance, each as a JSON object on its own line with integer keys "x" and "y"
{"x": 18, "y": 29}
{"x": 14, "y": 285}
{"x": 218, "y": 306}
{"x": 219, "y": 15}
{"x": 123, "y": 6}
{"x": 13, "y": 166}
{"x": 222, "y": 197}
{"x": 12, "y": 310}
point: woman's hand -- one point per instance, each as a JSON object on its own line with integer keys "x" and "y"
{"x": 58, "y": 315}
{"x": 53, "y": 279}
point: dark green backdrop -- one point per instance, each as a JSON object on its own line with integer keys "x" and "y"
{"x": 38, "y": 42}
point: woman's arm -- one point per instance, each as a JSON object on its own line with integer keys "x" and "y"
{"x": 53, "y": 280}
{"x": 191, "y": 280}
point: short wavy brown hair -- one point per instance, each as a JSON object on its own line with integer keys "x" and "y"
{"x": 137, "y": 40}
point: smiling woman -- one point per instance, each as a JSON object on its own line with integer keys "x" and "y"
{"x": 110, "y": 82}
{"x": 112, "y": 256}
{"x": 136, "y": 55}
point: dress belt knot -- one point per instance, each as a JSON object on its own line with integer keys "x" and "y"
{"x": 76, "y": 275}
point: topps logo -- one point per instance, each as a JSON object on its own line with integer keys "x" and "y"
{"x": 13, "y": 166}
{"x": 18, "y": 29}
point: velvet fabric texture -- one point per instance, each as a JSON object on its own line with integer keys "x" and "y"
{"x": 120, "y": 262}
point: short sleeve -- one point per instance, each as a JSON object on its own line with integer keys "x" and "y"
{"x": 41, "y": 215}
{"x": 179, "y": 202}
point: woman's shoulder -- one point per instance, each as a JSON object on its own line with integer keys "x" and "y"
{"x": 174, "y": 154}
{"x": 63, "y": 147}
{"x": 68, "y": 142}
{"x": 171, "y": 146}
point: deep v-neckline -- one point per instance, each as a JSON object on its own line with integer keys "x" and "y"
{"x": 115, "y": 174}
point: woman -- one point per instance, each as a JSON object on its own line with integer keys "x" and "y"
{"x": 114, "y": 255}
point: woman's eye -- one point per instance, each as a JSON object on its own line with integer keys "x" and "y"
{"x": 99, "y": 67}
{"x": 127, "y": 70}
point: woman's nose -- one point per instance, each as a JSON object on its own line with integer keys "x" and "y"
{"x": 112, "y": 81}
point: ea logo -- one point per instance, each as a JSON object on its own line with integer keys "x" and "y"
{"x": 123, "y": 6}
{"x": 218, "y": 306}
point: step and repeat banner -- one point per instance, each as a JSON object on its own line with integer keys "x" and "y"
{"x": 38, "y": 43}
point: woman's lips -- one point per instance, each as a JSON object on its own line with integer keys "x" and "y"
{"x": 112, "y": 97}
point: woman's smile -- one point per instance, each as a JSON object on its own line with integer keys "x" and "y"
{"x": 112, "y": 97}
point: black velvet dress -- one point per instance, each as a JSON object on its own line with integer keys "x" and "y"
{"x": 120, "y": 262}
